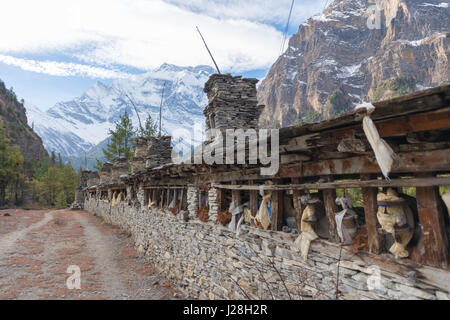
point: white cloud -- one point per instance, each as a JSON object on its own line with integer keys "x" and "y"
{"x": 62, "y": 68}
{"x": 142, "y": 33}
{"x": 262, "y": 11}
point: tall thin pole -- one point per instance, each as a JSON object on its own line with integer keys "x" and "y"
{"x": 135, "y": 109}
{"x": 160, "y": 109}
{"x": 286, "y": 29}
{"x": 210, "y": 54}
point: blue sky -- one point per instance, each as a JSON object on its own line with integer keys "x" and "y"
{"x": 62, "y": 47}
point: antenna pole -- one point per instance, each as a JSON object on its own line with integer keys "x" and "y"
{"x": 160, "y": 109}
{"x": 210, "y": 54}
{"x": 135, "y": 109}
{"x": 287, "y": 29}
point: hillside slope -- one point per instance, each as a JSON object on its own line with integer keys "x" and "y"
{"x": 335, "y": 61}
{"x": 13, "y": 117}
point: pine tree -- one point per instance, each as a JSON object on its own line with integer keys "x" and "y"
{"x": 150, "y": 129}
{"x": 11, "y": 165}
{"x": 98, "y": 165}
{"x": 61, "y": 200}
{"x": 53, "y": 158}
{"x": 120, "y": 144}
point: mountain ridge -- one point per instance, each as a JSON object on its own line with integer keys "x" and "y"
{"x": 335, "y": 62}
{"x": 74, "y": 127}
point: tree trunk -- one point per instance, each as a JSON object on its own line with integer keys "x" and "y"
{"x": 2, "y": 195}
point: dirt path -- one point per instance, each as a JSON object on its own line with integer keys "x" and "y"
{"x": 37, "y": 248}
{"x": 8, "y": 240}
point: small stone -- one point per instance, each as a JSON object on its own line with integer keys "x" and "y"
{"x": 442, "y": 296}
{"x": 286, "y": 229}
{"x": 230, "y": 254}
{"x": 246, "y": 286}
{"x": 410, "y": 291}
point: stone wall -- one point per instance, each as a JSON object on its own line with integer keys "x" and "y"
{"x": 207, "y": 261}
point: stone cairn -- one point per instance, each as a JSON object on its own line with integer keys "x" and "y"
{"x": 213, "y": 204}
{"x": 232, "y": 103}
{"x": 159, "y": 151}
{"x": 120, "y": 167}
{"x": 192, "y": 199}
{"x": 140, "y": 154}
{"x": 105, "y": 173}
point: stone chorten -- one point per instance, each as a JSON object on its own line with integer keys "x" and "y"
{"x": 232, "y": 103}
{"x": 140, "y": 154}
{"x": 159, "y": 151}
{"x": 105, "y": 173}
{"x": 120, "y": 167}
{"x": 93, "y": 179}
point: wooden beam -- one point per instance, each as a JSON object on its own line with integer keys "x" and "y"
{"x": 433, "y": 228}
{"x": 298, "y": 205}
{"x": 406, "y": 182}
{"x": 329, "y": 198}
{"x": 428, "y": 161}
{"x": 277, "y": 210}
{"x": 370, "y": 212}
{"x": 409, "y": 162}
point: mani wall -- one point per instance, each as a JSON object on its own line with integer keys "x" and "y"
{"x": 160, "y": 205}
{"x": 208, "y": 261}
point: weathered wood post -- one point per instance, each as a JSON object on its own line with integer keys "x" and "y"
{"x": 221, "y": 199}
{"x": 329, "y": 198}
{"x": 433, "y": 228}
{"x": 370, "y": 212}
{"x": 277, "y": 208}
{"x": 298, "y": 206}
{"x": 253, "y": 201}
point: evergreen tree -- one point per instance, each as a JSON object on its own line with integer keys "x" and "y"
{"x": 98, "y": 165}
{"x": 61, "y": 200}
{"x": 120, "y": 144}
{"x": 150, "y": 129}
{"x": 11, "y": 165}
{"x": 53, "y": 158}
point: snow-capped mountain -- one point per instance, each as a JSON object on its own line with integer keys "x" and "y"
{"x": 73, "y": 128}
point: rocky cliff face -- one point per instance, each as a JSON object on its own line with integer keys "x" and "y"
{"x": 13, "y": 117}
{"x": 342, "y": 57}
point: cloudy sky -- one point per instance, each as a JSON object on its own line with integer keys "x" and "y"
{"x": 53, "y": 50}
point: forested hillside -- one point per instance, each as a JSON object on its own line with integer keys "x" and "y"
{"x": 28, "y": 175}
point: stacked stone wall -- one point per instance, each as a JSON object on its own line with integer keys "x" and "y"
{"x": 207, "y": 261}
